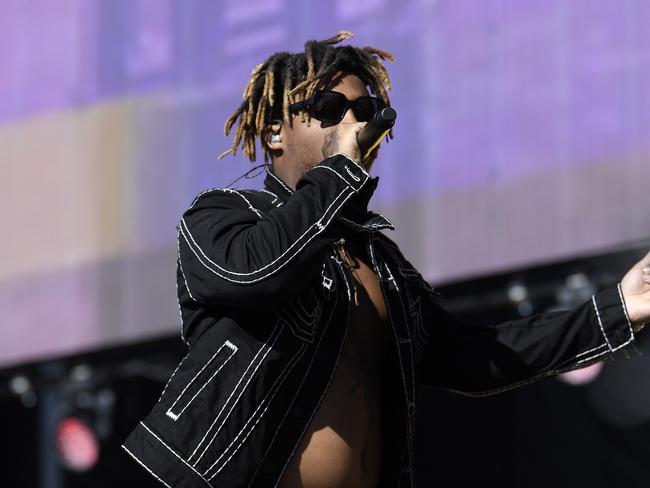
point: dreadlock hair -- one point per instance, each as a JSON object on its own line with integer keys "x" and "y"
{"x": 285, "y": 78}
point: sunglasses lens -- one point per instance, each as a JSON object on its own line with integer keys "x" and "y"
{"x": 365, "y": 108}
{"x": 328, "y": 107}
{"x": 331, "y": 106}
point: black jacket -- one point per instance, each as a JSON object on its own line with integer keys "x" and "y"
{"x": 264, "y": 301}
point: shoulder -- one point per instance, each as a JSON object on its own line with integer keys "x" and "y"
{"x": 257, "y": 201}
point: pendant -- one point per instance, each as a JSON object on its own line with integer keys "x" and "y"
{"x": 346, "y": 259}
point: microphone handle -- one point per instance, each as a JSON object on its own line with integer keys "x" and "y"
{"x": 374, "y": 131}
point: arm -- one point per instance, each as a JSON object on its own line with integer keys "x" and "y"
{"x": 483, "y": 360}
{"x": 231, "y": 255}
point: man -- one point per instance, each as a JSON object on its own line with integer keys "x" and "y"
{"x": 307, "y": 330}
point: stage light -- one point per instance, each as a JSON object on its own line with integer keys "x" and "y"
{"x": 76, "y": 444}
{"x": 86, "y": 418}
{"x": 525, "y": 308}
{"x": 582, "y": 376}
{"x": 20, "y": 386}
{"x": 577, "y": 288}
{"x": 517, "y": 292}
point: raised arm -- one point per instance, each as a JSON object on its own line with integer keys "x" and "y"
{"x": 230, "y": 254}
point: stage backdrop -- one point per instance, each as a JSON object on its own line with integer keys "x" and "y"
{"x": 522, "y": 137}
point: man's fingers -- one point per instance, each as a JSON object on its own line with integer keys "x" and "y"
{"x": 358, "y": 126}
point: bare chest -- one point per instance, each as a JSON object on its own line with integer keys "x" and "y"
{"x": 342, "y": 444}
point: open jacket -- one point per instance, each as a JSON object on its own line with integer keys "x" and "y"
{"x": 264, "y": 300}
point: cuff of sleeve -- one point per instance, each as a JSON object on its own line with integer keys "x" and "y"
{"x": 346, "y": 169}
{"x": 612, "y": 317}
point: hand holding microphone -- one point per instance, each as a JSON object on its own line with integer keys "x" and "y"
{"x": 369, "y": 137}
{"x": 359, "y": 140}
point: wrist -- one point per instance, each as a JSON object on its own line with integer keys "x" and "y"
{"x": 629, "y": 306}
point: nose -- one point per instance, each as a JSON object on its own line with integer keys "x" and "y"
{"x": 349, "y": 117}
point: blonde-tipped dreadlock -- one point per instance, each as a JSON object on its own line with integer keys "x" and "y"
{"x": 285, "y": 78}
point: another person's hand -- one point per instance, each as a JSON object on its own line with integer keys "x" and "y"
{"x": 635, "y": 287}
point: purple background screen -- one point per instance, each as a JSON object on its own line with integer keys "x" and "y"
{"x": 522, "y": 137}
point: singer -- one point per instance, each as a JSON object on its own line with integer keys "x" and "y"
{"x": 308, "y": 332}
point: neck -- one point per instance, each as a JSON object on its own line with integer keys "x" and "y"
{"x": 288, "y": 173}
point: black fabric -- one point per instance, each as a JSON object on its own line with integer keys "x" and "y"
{"x": 265, "y": 303}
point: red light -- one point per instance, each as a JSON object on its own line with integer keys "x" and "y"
{"x": 582, "y": 376}
{"x": 76, "y": 444}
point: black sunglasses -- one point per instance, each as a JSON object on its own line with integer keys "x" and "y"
{"x": 330, "y": 106}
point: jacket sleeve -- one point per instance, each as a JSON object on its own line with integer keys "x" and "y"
{"x": 481, "y": 360}
{"x": 230, "y": 254}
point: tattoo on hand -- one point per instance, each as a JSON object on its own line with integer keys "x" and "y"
{"x": 330, "y": 144}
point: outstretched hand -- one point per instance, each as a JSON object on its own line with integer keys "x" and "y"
{"x": 635, "y": 287}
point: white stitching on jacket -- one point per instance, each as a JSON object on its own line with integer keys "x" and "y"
{"x": 269, "y": 172}
{"x": 589, "y": 350}
{"x": 270, "y": 395}
{"x": 174, "y": 453}
{"x": 545, "y": 374}
{"x": 620, "y": 296}
{"x": 397, "y": 257}
{"x": 178, "y": 298}
{"x": 275, "y": 197}
{"x": 336, "y": 173}
{"x": 315, "y": 225}
{"x": 583, "y": 353}
{"x": 399, "y": 352}
{"x": 345, "y": 278}
{"x": 363, "y": 171}
{"x": 319, "y": 226}
{"x": 600, "y": 323}
{"x": 266, "y": 348}
{"x": 294, "y": 319}
{"x": 391, "y": 277}
{"x": 209, "y": 190}
{"x": 180, "y": 267}
{"x": 233, "y": 350}
{"x": 295, "y": 327}
{"x": 250, "y": 205}
{"x": 172, "y": 375}
{"x": 352, "y": 175}
{"x": 326, "y": 326}
{"x": 145, "y": 466}
{"x": 385, "y": 225}
{"x": 409, "y": 430}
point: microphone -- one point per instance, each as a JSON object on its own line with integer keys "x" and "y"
{"x": 374, "y": 131}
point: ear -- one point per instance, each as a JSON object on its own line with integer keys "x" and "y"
{"x": 274, "y": 144}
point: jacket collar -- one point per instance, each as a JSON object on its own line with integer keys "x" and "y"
{"x": 274, "y": 183}
{"x": 356, "y": 217}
